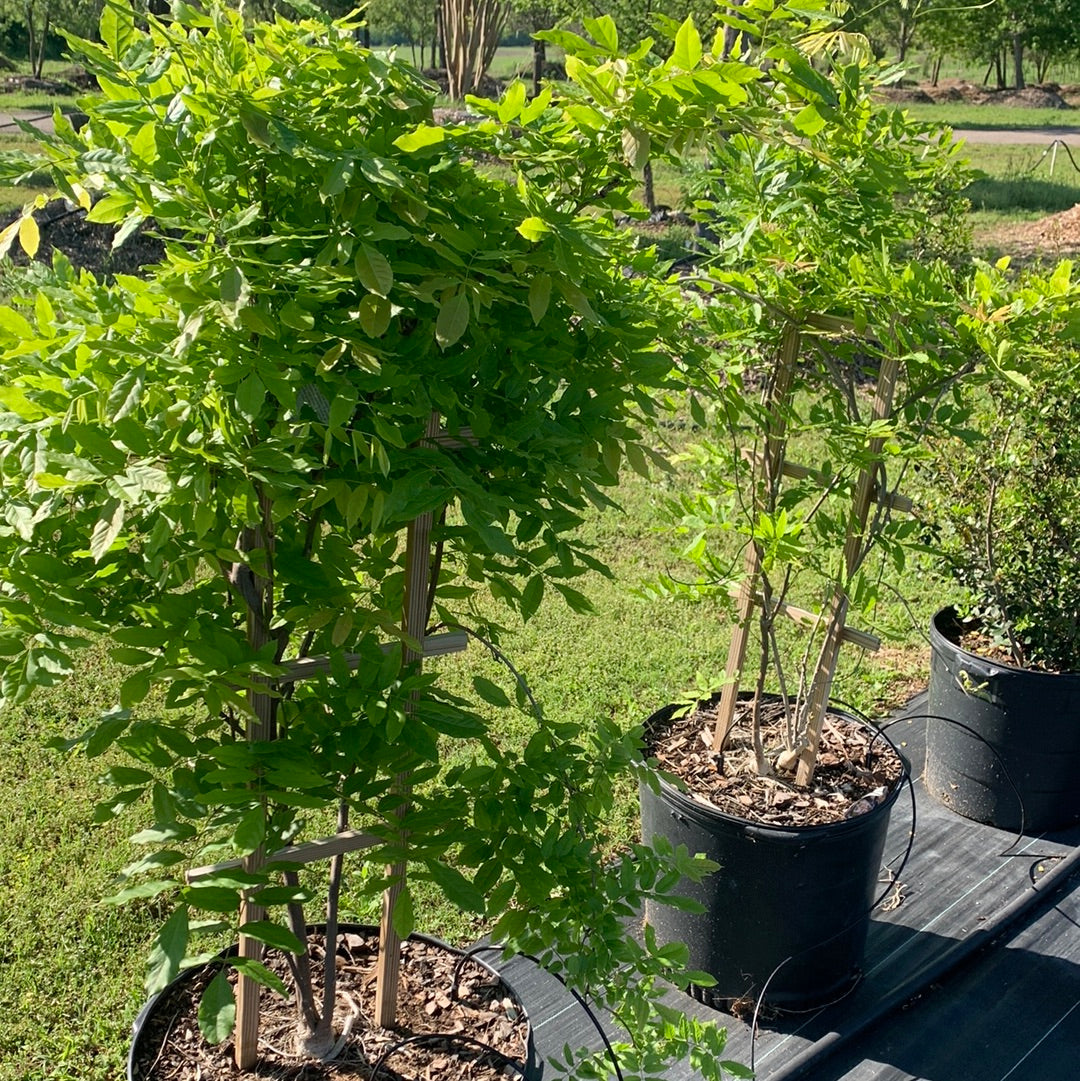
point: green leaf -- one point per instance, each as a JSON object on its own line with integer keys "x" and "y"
{"x": 453, "y": 319}
{"x": 577, "y": 601}
{"x": 125, "y": 395}
{"x": 282, "y": 895}
{"x": 258, "y": 972}
{"x": 168, "y": 952}
{"x": 490, "y": 692}
{"x": 531, "y": 597}
{"x": 217, "y": 1010}
{"x": 423, "y": 137}
{"x": 124, "y": 776}
{"x": 809, "y": 121}
{"x": 107, "y": 529}
{"x": 338, "y": 177}
{"x": 687, "y": 51}
{"x": 273, "y": 934}
{"x": 111, "y": 726}
{"x": 603, "y": 32}
{"x": 512, "y": 103}
{"x": 250, "y": 396}
{"x": 233, "y": 288}
{"x": 533, "y": 229}
{"x": 117, "y": 28}
{"x": 539, "y": 297}
{"x": 250, "y": 831}
{"x": 293, "y": 315}
{"x": 403, "y": 920}
{"x": 375, "y": 315}
{"x": 458, "y": 889}
{"x": 134, "y": 689}
{"x": 140, "y": 892}
{"x": 375, "y": 273}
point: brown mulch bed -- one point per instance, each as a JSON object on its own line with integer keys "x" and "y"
{"x": 855, "y": 771}
{"x": 1054, "y": 237}
{"x": 479, "y": 1008}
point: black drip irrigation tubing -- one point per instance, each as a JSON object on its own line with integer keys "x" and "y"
{"x": 878, "y": 731}
{"x": 895, "y": 999}
{"x": 448, "y": 1038}
{"x": 20, "y": 121}
{"x": 891, "y": 1001}
{"x": 1053, "y": 147}
{"x": 589, "y": 1012}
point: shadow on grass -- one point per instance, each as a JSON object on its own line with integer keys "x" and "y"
{"x": 1023, "y": 193}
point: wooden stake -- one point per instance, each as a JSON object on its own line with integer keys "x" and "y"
{"x": 259, "y": 727}
{"x": 417, "y": 573}
{"x": 771, "y": 465}
{"x": 821, "y": 686}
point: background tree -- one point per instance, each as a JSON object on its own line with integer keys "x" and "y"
{"x": 31, "y": 26}
{"x": 471, "y": 32}
{"x": 413, "y": 22}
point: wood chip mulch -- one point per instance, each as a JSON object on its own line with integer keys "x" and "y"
{"x": 856, "y": 770}
{"x": 454, "y": 1021}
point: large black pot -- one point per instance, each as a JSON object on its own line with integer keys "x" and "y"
{"x": 1002, "y": 743}
{"x": 794, "y": 901}
{"x": 532, "y": 1069}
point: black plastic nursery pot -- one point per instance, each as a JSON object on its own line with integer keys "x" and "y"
{"x": 790, "y": 903}
{"x": 1002, "y": 743}
{"x": 531, "y": 1069}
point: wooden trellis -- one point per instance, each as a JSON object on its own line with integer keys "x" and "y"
{"x": 769, "y": 466}
{"x": 418, "y": 558}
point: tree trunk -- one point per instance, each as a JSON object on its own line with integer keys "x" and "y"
{"x": 471, "y": 29}
{"x": 905, "y": 40}
{"x": 440, "y": 33}
{"x": 1018, "y": 60}
{"x": 650, "y": 191}
{"x": 935, "y": 72}
{"x": 539, "y": 60}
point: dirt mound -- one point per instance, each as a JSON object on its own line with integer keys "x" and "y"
{"x": 1051, "y": 238}
{"x": 68, "y": 81}
{"x": 1046, "y": 96}
{"x": 1031, "y": 97}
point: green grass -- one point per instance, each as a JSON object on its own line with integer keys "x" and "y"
{"x": 993, "y": 117}
{"x": 1019, "y": 182}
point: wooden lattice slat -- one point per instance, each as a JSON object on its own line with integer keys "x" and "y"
{"x": 417, "y": 576}
{"x": 821, "y": 687}
{"x": 418, "y": 560}
{"x": 769, "y": 468}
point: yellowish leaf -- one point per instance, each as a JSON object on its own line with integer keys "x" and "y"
{"x": 29, "y": 235}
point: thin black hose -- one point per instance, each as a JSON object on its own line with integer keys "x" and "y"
{"x": 759, "y": 1003}
{"x": 430, "y": 1037}
{"x": 993, "y": 750}
{"x": 470, "y": 954}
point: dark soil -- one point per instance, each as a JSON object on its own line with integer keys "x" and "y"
{"x": 453, "y": 1020}
{"x": 87, "y": 244}
{"x": 855, "y": 770}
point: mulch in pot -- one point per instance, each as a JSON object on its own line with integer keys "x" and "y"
{"x": 481, "y": 1008}
{"x": 856, "y": 769}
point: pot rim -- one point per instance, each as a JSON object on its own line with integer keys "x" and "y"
{"x": 854, "y": 824}
{"x": 189, "y": 974}
{"x": 986, "y": 666}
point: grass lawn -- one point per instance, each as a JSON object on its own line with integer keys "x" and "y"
{"x": 994, "y": 117}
